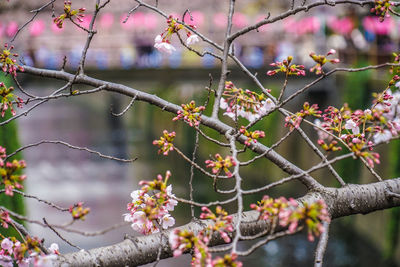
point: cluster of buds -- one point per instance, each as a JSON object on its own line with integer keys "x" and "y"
{"x": 4, "y": 218}
{"x": 251, "y": 136}
{"x": 358, "y": 146}
{"x": 360, "y": 130}
{"x": 146, "y": 211}
{"x": 69, "y": 13}
{"x": 222, "y": 221}
{"x": 8, "y": 99}
{"x": 295, "y": 120}
{"x": 9, "y": 172}
{"x": 286, "y": 67}
{"x": 163, "y": 40}
{"x": 329, "y": 146}
{"x": 78, "y": 211}
{"x": 181, "y": 241}
{"x": 9, "y": 64}
{"x": 274, "y": 209}
{"x": 321, "y": 60}
{"x": 290, "y": 214}
{"x": 382, "y": 9}
{"x": 229, "y": 260}
{"x": 190, "y": 113}
{"x": 165, "y": 142}
{"x": 244, "y": 103}
{"x": 313, "y": 215}
{"x": 13, "y": 252}
{"x": 220, "y": 164}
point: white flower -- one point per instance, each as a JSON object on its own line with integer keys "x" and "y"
{"x": 158, "y": 39}
{"x": 192, "y": 39}
{"x": 382, "y": 136}
{"x": 54, "y": 248}
{"x": 171, "y": 204}
{"x": 165, "y": 47}
{"x": 7, "y": 244}
{"x": 169, "y": 190}
{"x": 167, "y": 221}
{"x": 351, "y": 125}
{"x": 128, "y": 217}
{"x": 267, "y": 105}
{"x": 135, "y": 195}
{"x": 223, "y": 104}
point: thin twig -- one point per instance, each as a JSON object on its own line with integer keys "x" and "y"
{"x": 126, "y": 109}
{"x": 36, "y": 11}
{"x": 60, "y": 236}
{"x": 37, "y": 198}
{"x": 70, "y": 146}
{"x": 321, "y": 247}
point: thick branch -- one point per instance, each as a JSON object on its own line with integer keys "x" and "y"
{"x": 348, "y": 200}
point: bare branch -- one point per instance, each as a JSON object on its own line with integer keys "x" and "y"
{"x": 70, "y": 146}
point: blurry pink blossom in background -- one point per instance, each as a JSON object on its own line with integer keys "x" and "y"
{"x": 343, "y": 26}
{"x": 198, "y": 18}
{"x": 220, "y": 20}
{"x": 129, "y": 24}
{"x": 239, "y": 20}
{"x": 11, "y": 29}
{"x": 372, "y": 24}
{"x": 37, "y": 27}
{"x": 107, "y": 20}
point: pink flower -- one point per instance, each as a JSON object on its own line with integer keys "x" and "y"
{"x": 192, "y": 39}
{"x": 7, "y": 244}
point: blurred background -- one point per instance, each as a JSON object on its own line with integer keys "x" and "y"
{"x": 124, "y": 53}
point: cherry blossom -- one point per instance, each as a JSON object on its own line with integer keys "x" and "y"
{"x": 351, "y": 125}
{"x": 163, "y": 46}
{"x": 167, "y": 221}
{"x": 148, "y": 211}
{"x": 244, "y": 103}
{"x": 382, "y": 136}
{"x": 54, "y": 249}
